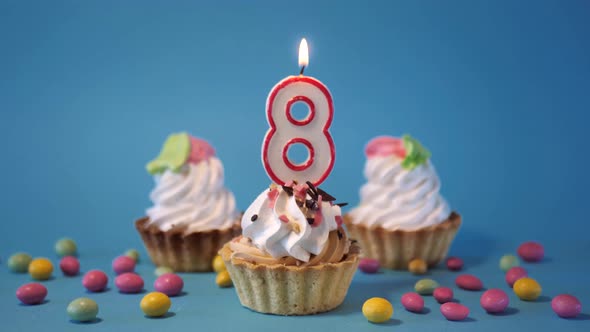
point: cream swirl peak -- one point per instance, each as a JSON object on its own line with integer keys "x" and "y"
{"x": 291, "y": 221}
{"x": 402, "y": 189}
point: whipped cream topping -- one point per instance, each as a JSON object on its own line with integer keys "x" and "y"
{"x": 194, "y": 197}
{"x": 277, "y": 225}
{"x": 397, "y": 198}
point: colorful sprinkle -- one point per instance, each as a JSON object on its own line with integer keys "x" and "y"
{"x": 443, "y": 294}
{"x": 377, "y": 310}
{"x": 70, "y": 266}
{"x": 494, "y": 300}
{"x": 454, "y": 311}
{"x": 454, "y": 263}
{"x": 40, "y": 269}
{"x": 31, "y": 293}
{"x": 417, "y": 266}
{"x": 123, "y": 264}
{"x": 508, "y": 261}
{"x": 19, "y": 262}
{"x": 469, "y": 282}
{"x": 155, "y": 304}
{"x": 566, "y": 306}
{"x": 82, "y": 309}
{"x": 66, "y": 247}
{"x": 413, "y": 302}
{"x": 95, "y": 281}
{"x": 369, "y": 265}
{"x": 169, "y": 283}
{"x": 531, "y": 251}
{"x": 527, "y": 289}
{"x": 129, "y": 283}
{"x": 425, "y": 286}
{"x": 514, "y": 274}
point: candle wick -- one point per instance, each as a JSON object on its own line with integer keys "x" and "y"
{"x": 302, "y": 69}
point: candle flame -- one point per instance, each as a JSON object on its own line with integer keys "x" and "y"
{"x": 303, "y": 53}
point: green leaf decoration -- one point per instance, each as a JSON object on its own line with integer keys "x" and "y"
{"x": 173, "y": 155}
{"x": 416, "y": 154}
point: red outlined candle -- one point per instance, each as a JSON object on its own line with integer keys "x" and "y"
{"x": 312, "y": 132}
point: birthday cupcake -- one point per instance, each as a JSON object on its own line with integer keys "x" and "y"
{"x": 193, "y": 213}
{"x": 402, "y": 215}
{"x": 293, "y": 257}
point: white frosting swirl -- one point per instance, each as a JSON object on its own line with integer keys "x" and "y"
{"x": 194, "y": 197}
{"x": 396, "y": 198}
{"x": 278, "y": 238}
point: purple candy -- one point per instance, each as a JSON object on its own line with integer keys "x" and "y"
{"x": 123, "y": 264}
{"x": 413, "y": 302}
{"x": 169, "y": 283}
{"x": 494, "y": 300}
{"x": 369, "y": 265}
{"x": 129, "y": 283}
{"x": 531, "y": 251}
{"x": 469, "y": 282}
{"x": 566, "y": 306}
{"x": 454, "y": 263}
{"x": 31, "y": 293}
{"x": 95, "y": 281}
{"x": 454, "y": 311}
{"x": 443, "y": 294}
{"x": 69, "y": 265}
{"x": 514, "y": 274}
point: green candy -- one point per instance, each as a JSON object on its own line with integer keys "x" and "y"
{"x": 66, "y": 247}
{"x": 134, "y": 254}
{"x": 508, "y": 261}
{"x": 173, "y": 155}
{"x": 82, "y": 309}
{"x": 416, "y": 154}
{"x": 162, "y": 270}
{"x": 19, "y": 262}
{"x": 425, "y": 286}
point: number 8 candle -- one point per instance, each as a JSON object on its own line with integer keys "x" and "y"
{"x": 312, "y": 131}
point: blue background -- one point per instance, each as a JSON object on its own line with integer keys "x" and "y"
{"x": 497, "y": 90}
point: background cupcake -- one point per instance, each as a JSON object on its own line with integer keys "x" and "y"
{"x": 402, "y": 215}
{"x": 193, "y": 213}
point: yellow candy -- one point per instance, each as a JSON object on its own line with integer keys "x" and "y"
{"x": 527, "y": 289}
{"x": 417, "y": 266}
{"x": 377, "y": 310}
{"x": 155, "y": 304}
{"x": 223, "y": 279}
{"x": 40, "y": 269}
{"x": 218, "y": 264}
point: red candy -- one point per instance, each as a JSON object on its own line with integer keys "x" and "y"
{"x": 514, "y": 274}
{"x": 369, "y": 265}
{"x": 531, "y": 251}
{"x": 169, "y": 283}
{"x": 413, "y": 302}
{"x": 469, "y": 282}
{"x": 454, "y": 263}
{"x": 443, "y": 294}
{"x": 494, "y": 301}
{"x": 123, "y": 264}
{"x": 566, "y": 306}
{"x": 129, "y": 283}
{"x": 454, "y": 311}
{"x": 95, "y": 281}
{"x": 69, "y": 265}
{"x": 31, "y": 293}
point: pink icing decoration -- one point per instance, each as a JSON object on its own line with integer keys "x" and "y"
{"x": 284, "y": 218}
{"x": 383, "y": 146}
{"x": 338, "y": 220}
{"x": 272, "y": 197}
{"x": 200, "y": 150}
{"x": 300, "y": 190}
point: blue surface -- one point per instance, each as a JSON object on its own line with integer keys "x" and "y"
{"x": 497, "y": 90}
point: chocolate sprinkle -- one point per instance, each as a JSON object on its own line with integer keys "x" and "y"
{"x": 254, "y": 217}
{"x": 312, "y": 187}
{"x": 325, "y": 195}
{"x": 310, "y": 221}
{"x": 299, "y": 203}
{"x": 288, "y": 190}
{"x": 312, "y": 194}
{"x": 339, "y": 235}
{"x": 341, "y": 204}
{"x": 311, "y": 204}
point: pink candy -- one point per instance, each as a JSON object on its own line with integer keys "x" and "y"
{"x": 200, "y": 150}
{"x": 494, "y": 300}
{"x": 454, "y": 311}
{"x": 169, "y": 283}
{"x": 123, "y": 264}
{"x": 443, "y": 294}
{"x": 514, "y": 274}
{"x": 69, "y": 265}
{"x": 369, "y": 265}
{"x": 566, "y": 306}
{"x": 413, "y": 302}
{"x": 469, "y": 282}
{"x": 531, "y": 251}
{"x": 31, "y": 293}
{"x": 95, "y": 281}
{"x": 129, "y": 283}
{"x": 454, "y": 263}
{"x": 384, "y": 146}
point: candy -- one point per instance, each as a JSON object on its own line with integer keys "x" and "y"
{"x": 527, "y": 289}
{"x": 514, "y": 274}
{"x": 494, "y": 300}
{"x": 162, "y": 270}
{"x": 469, "y": 282}
{"x": 69, "y": 265}
{"x": 155, "y": 304}
{"x": 129, "y": 283}
{"x": 133, "y": 254}
{"x": 19, "y": 262}
{"x": 413, "y": 302}
{"x": 377, "y": 310}
{"x": 95, "y": 281}
{"x": 40, "y": 269}
{"x": 31, "y": 293}
{"x": 223, "y": 279}
{"x": 454, "y": 263}
{"x": 531, "y": 251}
{"x": 369, "y": 265}
{"x": 66, "y": 247}
{"x": 218, "y": 264}
{"x": 454, "y": 311}
{"x": 417, "y": 266}
{"x": 383, "y": 146}
{"x": 566, "y": 306}
{"x": 123, "y": 264}
{"x": 443, "y": 294}
{"x": 508, "y": 261}
{"x": 82, "y": 309}
{"x": 425, "y": 286}
{"x": 169, "y": 283}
